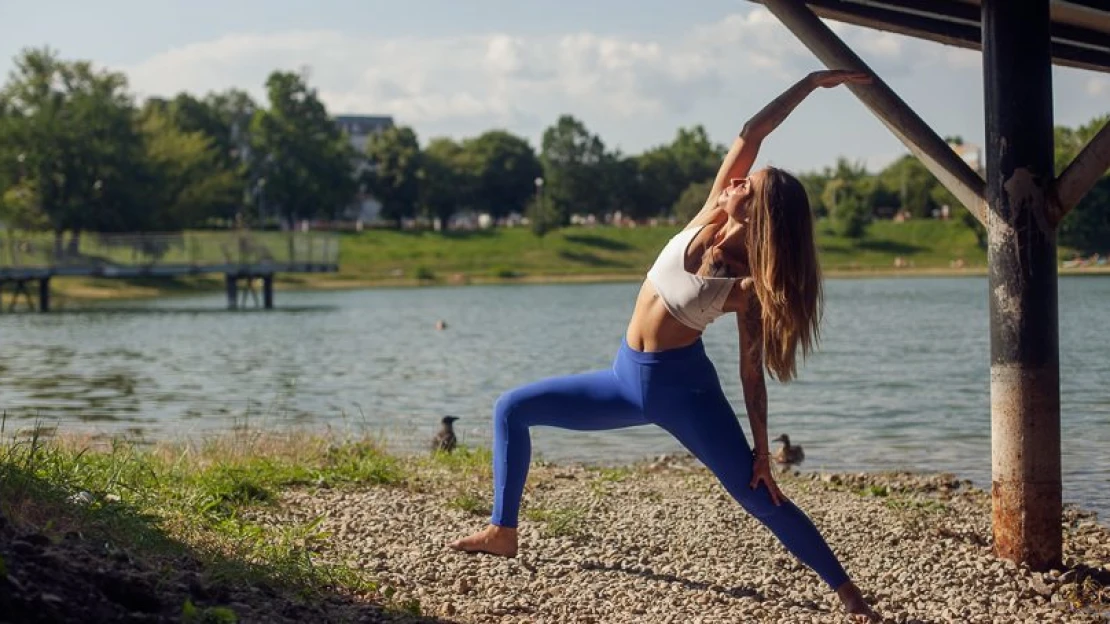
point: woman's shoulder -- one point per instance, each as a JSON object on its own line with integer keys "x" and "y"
{"x": 741, "y": 297}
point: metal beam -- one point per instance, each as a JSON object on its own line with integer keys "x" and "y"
{"x": 955, "y": 174}
{"x": 1021, "y": 253}
{"x": 1079, "y": 34}
{"x": 1083, "y": 172}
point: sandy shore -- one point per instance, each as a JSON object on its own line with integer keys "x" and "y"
{"x": 662, "y": 542}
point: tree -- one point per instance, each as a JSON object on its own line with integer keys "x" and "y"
{"x": 542, "y": 216}
{"x": 845, "y": 178}
{"x": 571, "y": 158}
{"x": 71, "y": 130}
{"x": 304, "y": 158}
{"x": 667, "y": 171}
{"x": 224, "y": 118}
{"x": 395, "y": 158}
{"x": 814, "y": 184}
{"x": 912, "y": 183}
{"x": 692, "y": 200}
{"x": 623, "y": 187}
{"x": 695, "y": 156}
{"x": 448, "y": 179}
{"x": 850, "y": 216}
{"x": 506, "y": 169}
{"x": 190, "y": 180}
{"x": 20, "y": 208}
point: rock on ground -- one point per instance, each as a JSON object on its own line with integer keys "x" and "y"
{"x": 664, "y": 543}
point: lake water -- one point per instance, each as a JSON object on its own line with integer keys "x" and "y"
{"x": 901, "y": 379}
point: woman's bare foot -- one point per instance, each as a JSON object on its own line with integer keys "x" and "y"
{"x": 494, "y": 540}
{"x": 857, "y": 608}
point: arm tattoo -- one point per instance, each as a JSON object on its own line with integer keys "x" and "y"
{"x": 752, "y": 377}
{"x": 718, "y": 268}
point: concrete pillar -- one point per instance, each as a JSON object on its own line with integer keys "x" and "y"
{"x": 1025, "y": 364}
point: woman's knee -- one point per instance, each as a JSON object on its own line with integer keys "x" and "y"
{"x": 506, "y": 408}
{"x": 758, "y": 502}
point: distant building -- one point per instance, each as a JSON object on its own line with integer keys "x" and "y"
{"x": 359, "y": 129}
{"x": 970, "y": 153}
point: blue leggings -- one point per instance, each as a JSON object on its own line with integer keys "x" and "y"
{"x": 677, "y": 390}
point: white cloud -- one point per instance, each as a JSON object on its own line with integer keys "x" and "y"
{"x": 1097, "y": 86}
{"x": 632, "y": 89}
{"x": 490, "y": 77}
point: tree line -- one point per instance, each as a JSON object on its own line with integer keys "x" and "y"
{"x": 79, "y": 153}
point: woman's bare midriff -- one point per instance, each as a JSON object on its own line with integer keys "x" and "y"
{"x": 652, "y": 327}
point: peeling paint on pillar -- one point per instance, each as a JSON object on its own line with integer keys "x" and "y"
{"x": 1025, "y": 384}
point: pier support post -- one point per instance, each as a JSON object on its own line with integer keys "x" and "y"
{"x": 232, "y": 284}
{"x": 44, "y": 294}
{"x": 268, "y": 291}
{"x": 1024, "y": 325}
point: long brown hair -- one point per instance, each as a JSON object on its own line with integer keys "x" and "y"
{"x": 782, "y": 255}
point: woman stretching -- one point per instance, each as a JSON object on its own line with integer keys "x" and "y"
{"x": 749, "y": 251}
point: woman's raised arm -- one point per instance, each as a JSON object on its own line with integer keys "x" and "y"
{"x": 738, "y": 162}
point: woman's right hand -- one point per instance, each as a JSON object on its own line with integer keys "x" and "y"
{"x": 835, "y": 77}
{"x": 761, "y": 473}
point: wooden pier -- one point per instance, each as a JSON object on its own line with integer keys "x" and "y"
{"x": 28, "y": 261}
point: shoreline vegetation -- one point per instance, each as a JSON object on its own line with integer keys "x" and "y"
{"x": 389, "y": 258}
{"x": 293, "y": 526}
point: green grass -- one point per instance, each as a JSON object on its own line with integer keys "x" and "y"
{"x": 389, "y": 257}
{"x": 558, "y": 521}
{"x": 515, "y": 252}
{"x": 470, "y": 503}
{"x": 875, "y": 491}
{"x": 164, "y": 502}
{"x": 925, "y": 244}
{"x": 606, "y": 477}
{"x": 926, "y": 505}
{"x": 463, "y": 462}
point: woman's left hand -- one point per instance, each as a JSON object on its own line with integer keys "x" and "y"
{"x": 761, "y": 473}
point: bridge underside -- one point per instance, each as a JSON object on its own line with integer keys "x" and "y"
{"x": 1021, "y": 202}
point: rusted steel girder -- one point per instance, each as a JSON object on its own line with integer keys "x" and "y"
{"x": 1025, "y": 363}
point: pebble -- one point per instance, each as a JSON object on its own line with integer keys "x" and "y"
{"x": 664, "y": 545}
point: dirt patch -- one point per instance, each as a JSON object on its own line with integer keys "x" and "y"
{"x": 72, "y": 578}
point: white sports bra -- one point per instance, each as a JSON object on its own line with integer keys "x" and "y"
{"x": 694, "y": 300}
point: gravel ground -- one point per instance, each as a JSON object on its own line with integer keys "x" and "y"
{"x": 662, "y": 542}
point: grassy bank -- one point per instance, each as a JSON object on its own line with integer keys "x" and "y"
{"x": 387, "y": 257}
{"x": 609, "y": 251}
{"x": 107, "y": 528}
{"x": 394, "y": 258}
{"x": 297, "y": 527}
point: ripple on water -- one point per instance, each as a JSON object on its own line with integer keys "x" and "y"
{"x": 901, "y": 379}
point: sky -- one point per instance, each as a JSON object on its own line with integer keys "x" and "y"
{"x": 632, "y": 71}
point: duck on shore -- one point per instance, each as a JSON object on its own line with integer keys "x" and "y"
{"x": 788, "y": 454}
{"x": 445, "y": 440}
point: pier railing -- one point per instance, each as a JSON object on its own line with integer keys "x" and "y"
{"x": 199, "y": 251}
